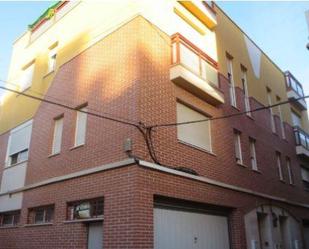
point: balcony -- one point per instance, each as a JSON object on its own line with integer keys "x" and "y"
{"x": 194, "y": 71}
{"x": 302, "y": 142}
{"x": 295, "y": 90}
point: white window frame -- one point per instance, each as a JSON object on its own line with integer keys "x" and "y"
{"x": 279, "y": 166}
{"x": 207, "y": 146}
{"x": 253, "y": 158}
{"x": 246, "y": 93}
{"x": 272, "y": 118}
{"x": 290, "y": 172}
{"x": 52, "y": 57}
{"x": 281, "y": 119}
{"x": 57, "y": 135}
{"x": 232, "y": 83}
{"x": 26, "y": 78}
{"x": 80, "y": 115}
{"x": 237, "y": 147}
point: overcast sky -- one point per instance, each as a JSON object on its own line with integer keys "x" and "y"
{"x": 279, "y": 28}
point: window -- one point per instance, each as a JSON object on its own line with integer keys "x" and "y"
{"x": 58, "y": 126}
{"x": 253, "y": 154}
{"x": 52, "y": 54}
{"x": 39, "y": 215}
{"x": 231, "y": 80}
{"x": 272, "y": 119}
{"x": 280, "y": 173}
{"x": 18, "y": 144}
{"x": 290, "y": 172}
{"x": 245, "y": 89}
{"x": 296, "y": 119}
{"x": 81, "y": 124}
{"x": 9, "y": 218}
{"x": 281, "y": 119}
{"x": 26, "y": 78}
{"x": 196, "y": 134}
{"x": 86, "y": 209}
{"x": 237, "y": 144}
{"x": 305, "y": 177}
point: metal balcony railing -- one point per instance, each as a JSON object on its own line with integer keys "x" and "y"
{"x": 301, "y": 137}
{"x": 194, "y": 59}
{"x": 293, "y": 84}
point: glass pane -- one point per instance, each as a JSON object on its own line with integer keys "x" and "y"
{"x": 189, "y": 59}
{"x": 212, "y": 74}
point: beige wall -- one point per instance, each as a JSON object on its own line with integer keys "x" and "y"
{"x": 231, "y": 39}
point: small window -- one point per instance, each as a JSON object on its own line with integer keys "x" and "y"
{"x": 52, "y": 55}
{"x": 231, "y": 80}
{"x": 253, "y": 154}
{"x": 26, "y": 78}
{"x": 245, "y": 89}
{"x": 237, "y": 144}
{"x": 58, "y": 127}
{"x": 39, "y": 215}
{"x": 81, "y": 125}
{"x": 305, "y": 177}
{"x": 86, "y": 209}
{"x": 272, "y": 118}
{"x": 278, "y": 159}
{"x": 290, "y": 172}
{"x": 281, "y": 118}
{"x": 18, "y": 157}
{"x": 196, "y": 134}
{"x": 9, "y": 218}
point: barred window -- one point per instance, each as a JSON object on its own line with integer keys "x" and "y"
{"x": 9, "y": 218}
{"x": 43, "y": 214}
{"x": 85, "y": 209}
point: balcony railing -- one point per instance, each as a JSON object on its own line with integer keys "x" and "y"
{"x": 194, "y": 59}
{"x": 301, "y": 138}
{"x": 293, "y": 84}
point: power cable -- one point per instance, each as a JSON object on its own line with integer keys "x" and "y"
{"x": 230, "y": 115}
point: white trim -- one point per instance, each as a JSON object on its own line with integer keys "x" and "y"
{"x": 104, "y": 167}
{"x": 217, "y": 183}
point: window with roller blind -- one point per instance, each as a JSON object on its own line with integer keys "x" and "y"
{"x": 58, "y": 127}
{"x": 196, "y": 134}
{"x": 18, "y": 145}
{"x": 81, "y": 126}
{"x": 305, "y": 177}
{"x": 26, "y": 77}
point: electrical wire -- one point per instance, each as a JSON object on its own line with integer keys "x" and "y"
{"x": 230, "y": 115}
{"x": 57, "y": 99}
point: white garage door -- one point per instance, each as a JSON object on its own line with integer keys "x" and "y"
{"x": 175, "y": 229}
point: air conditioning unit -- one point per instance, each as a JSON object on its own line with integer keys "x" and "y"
{"x": 83, "y": 210}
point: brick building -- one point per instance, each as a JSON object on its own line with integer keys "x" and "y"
{"x": 90, "y": 173}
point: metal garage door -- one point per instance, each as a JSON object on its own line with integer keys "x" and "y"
{"x": 175, "y": 229}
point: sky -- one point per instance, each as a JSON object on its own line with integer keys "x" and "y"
{"x": 278, "y": 28}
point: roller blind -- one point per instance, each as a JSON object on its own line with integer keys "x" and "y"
{"x": 57, "y": 136}
{"x": 81, "y": 124}
{"x": 197, "y": 134}
{"x": 20, "y": 138}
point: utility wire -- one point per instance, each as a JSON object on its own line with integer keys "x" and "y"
{"x": 141, "y": 127}
{"x": 69, "y": 107}
{"x": 57, "y": 99}
{"x": 230, "y": 115}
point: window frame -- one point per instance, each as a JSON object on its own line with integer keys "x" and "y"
{"x": 94, "y": 204}
{"x": 237, "y": 147}
{"x": 55, "y": 129}
{"x": 290, "y": 171}
{"x": 253, "y": 157}
{"x": 272, "y": 117}
{"x": 244, "y": 80}
{"x": 230, "y": 76}
{"x": 279, "y": 166}
{"x": 32, "y": 214}
{"x": 15, "y": 218}
{"x": 80, "y": 111}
